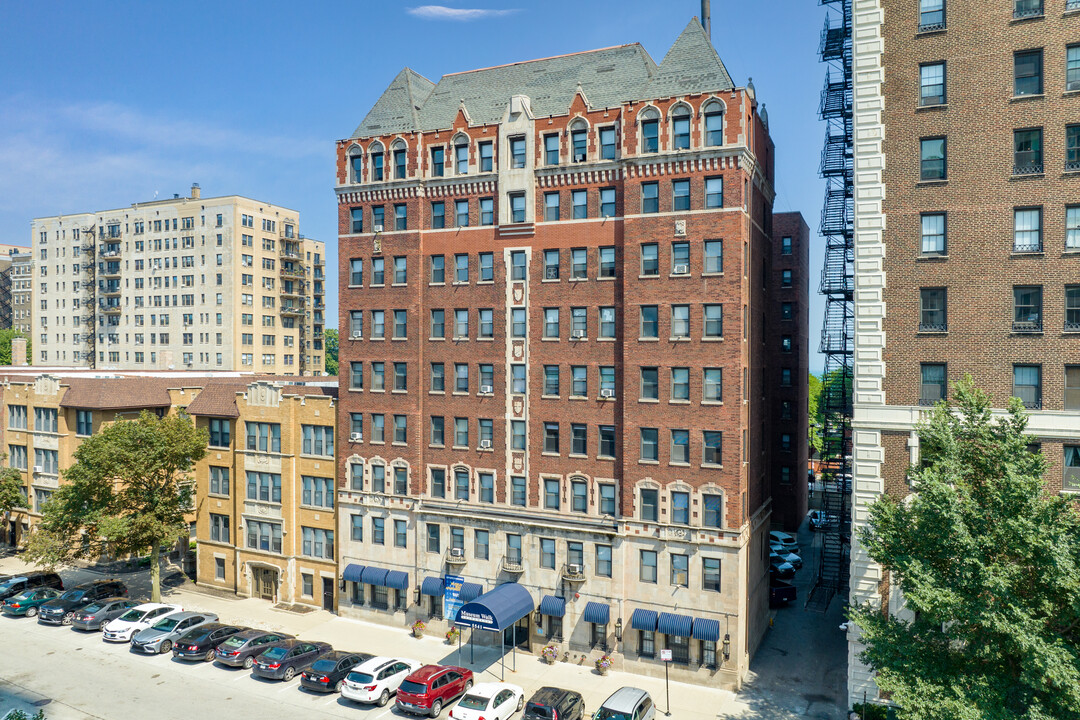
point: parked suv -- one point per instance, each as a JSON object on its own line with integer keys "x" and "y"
{"x": 375, "y": 680}
{"x": 427, "y": 690}
{"x": 62, "y": 609}
{"x": 550, "y": 703}
{"x": 625, "y": 703}
{"x": 159, "y": 637}
{"x": 241, "y": 649}
{"x": 27, "y": 581}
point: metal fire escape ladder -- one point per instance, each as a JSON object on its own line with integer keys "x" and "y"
{"x": 89, "y": 303}
{"x": 837, "y": 285}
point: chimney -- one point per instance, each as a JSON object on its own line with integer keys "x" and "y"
{"x": 196, "y": 193}
{"x": 18, "y": 352}
{"x": 706, "y": 19}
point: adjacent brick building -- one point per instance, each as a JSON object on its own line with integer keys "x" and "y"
{"x": 559, "y": 353}
{"x": 967, "y": 222}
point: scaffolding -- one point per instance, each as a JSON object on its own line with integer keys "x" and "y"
{"x": 837, "y": 285}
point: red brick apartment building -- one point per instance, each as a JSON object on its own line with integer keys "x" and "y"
{"x": 573, "y": 351}
{"x": 967, "y": 235}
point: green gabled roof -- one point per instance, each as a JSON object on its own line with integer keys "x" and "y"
{"x": 397, "y": 108}
{"x": 690, "y": 66}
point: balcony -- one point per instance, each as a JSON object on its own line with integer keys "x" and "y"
{"x": 511, "y": 564}
{"x": 293, "y": 273}
{"x": 110, "y": 290}
{"x": 455, "y": 556}
{"x": 573, "y": 572}
{"x": 292, "y": 310}
{"x": 292, "y": 290}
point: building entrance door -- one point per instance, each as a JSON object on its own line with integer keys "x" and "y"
{"x": 328, "y": 594}
{"x": 518, "y": 634}
{"x": 265, "y": 583}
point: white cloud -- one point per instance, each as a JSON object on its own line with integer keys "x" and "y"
{"x": 441, "y": 12}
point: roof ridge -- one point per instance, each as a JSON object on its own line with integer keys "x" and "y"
{"x": 550, "y": 57}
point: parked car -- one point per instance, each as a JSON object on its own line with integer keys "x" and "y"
{"x": 327, "y": 674}
{"x": 795, "y": 560}
{"x": 136, "y": 619}
{"x": 489, "y": 701}
{"x": 284, "y": 660}
{"x": 789, "y": 542}
{"x": 241, "y": 649}
{"x": 95, "y": 615}
{"x": 780, "y": 567}
{"x": 61, "y": 610}
{"x": 819, "y": 520}
{"x": 550, "y": 703}
{"x": 27, "y": 602}
{"x": 159, "y": 637}
{"x": 626, "y": 703}
{"x": 375, "y": 680}
{"x": 201, "y": 643}
{"x": 780, "y": 592}
{"x": 429, "y": 689}
{"x": 17, "y": 583}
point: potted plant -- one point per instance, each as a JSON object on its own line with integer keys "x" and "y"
{"x": 549, "y": 654}
{"x": 418, "y": 628}
{"x": 603, "y": 664}
{"x": 452, "y": 635}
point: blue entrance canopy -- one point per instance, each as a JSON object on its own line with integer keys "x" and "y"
{"x": 553, "y": 606}
{"x": 470, "y": 591}
{"x": 643, "y": 620}
{"x": 352, "y": 572}
{"x": 432, "y": 586}
{"x": 597, "y": 613}
{"x": 497, "y": 609}
{"x": 706, "y": 629}
{"x": 672, "y": 624}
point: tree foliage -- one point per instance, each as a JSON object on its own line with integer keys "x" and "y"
{"x": 5, "y": 345}
{"x": 11, "y": 489}
{"x": 989, "y": 566}
{"x": 817, "y": 418}
{"x": 330, "y": 344}
{"x": 127, "y": 492}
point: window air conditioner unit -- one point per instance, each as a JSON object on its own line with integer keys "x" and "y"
{"x": 607, "y": 393}
{"x": 552, "y": 273}
{"x": 457, "y": 553}
{"x": 356, "y": 336}
{"x": 377, "y": 228}
{"x": 682, "y": 269}
{"x": 573, "y": 569}
{"x": 38, "y": 469}
{"x": 356, "y": 437}
{"x": 578, "y": 334}
{"x": 485, "y": 444}
{"x": 486, "y": 389}
{"x": 579, "y": 157}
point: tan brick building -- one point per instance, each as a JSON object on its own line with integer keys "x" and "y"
{"x": 557, "y": 353}
{"x": 967, "y": 228}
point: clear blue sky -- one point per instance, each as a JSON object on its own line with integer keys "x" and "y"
{"x": 105, "y": 103}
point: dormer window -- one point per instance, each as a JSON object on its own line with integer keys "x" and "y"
{"x": 680, "y": 128}
{"x": 579, "y": 135}
{"x": 399, "y": 161}
{"x": 356, "y": 167}
{"x": 714, "y": 124}
{"x": 461, "y": 158}
{"x": 377, "y": 164}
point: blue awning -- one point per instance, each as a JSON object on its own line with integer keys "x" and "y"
{"x": 707, "y": 630}
{"x": 497, "y": 609}
{"x": 597, "y": 613}
{"x": 553, "y": 606}
{"x": 352, "y": 572}
{"x": 397, "y": 580}
{"x": 470, "y": 591}
{"x": 432, "y": 586}
{"x": 643, "y": 620}
{"x": 374, "y": 576}
{"x": 672, "y": 624}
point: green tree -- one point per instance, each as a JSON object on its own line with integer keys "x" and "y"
{"x": 989, "y": 566}
{"x": 330, "y": 343}
{"x": 11, "y": 489}
{"x": 127, "y": 492}
{"x": 817, "y": 418}
{"x": 5, "y": 345}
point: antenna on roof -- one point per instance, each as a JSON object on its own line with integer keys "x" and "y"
{"x": 706, "y": 19}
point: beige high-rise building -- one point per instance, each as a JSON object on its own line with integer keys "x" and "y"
{"x": 223, "y": 283}
{"x": 22, "y": 268}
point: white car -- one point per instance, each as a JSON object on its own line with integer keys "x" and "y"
{"x": 375, "y": 680}
{"x": 489, "y": 701}
{"x": 789, "y": 542}
{"x": 137, "y": 618}
{"x": 790, "y": 557}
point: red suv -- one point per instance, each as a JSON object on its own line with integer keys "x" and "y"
{"x": 427, "y": 690}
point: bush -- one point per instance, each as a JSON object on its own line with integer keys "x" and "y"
{"x": 872, "y": 711}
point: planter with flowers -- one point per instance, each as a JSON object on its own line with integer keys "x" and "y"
{"x": 550, "y": 653}
{"x": 452, "y": 635}
{"x": 418, "y": 628}
{"x": 603, "y": 664}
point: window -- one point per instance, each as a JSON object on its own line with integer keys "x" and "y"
{"x": 680, "y": 446}
{"x": 650, "y": 197}
{"x": 680, "y": 128}
{"x": 84, "y": 422}
{"x": 551, "y": 380}
{"x": 219, "y": 431}
{"x": 932, "y": 84}
{"x": 461, "y": 324}
{"x": 607, "y": 262}
{"x": 933, "y": 234}
{"x": 714, "y": 256}
{"x": 461, "y": 268}
{"x": 932, "y": 159}
{"x": 607, "y": 202}
{"x": 1027, "y": 72}
{"x": 1027, "y": 151}
{"x": 461, "y": 213}
{"x": 263, "y": 486}
{"x": 517, "y": 207}
{"x": 481, "y": 544}
{"x": 933, "y": 386}
{"x": 710, "y": 574}
{"x": 17, "y": 457}
{"x": 317, "y": 491}
{"x": 487, "y": 150}
{"x": 932, "y": 310}
{"x": 647, "y": 572}
{"x": 551, "y": 206}
{"x": 650, "y": 135}
{"x": 1072, "y": 307}
{"x": 680, "y": 570}
{"x": 378, "y": 274}
{"x": 378, "y": 531}
{"x": 607, "y": 143}
{"x": 714, "y": 192}
{"x": 438, "y": 433}
{"x": 461, "y": 484}
{"x": 931, "y": 15}
{"x": 378, "y": 213}
{"x": 517, "y": 492}
{"x": 318, "y": 440}
{"x": 714, "y": 321}
{"x": 487, "y": 211}
{"x": 551, "y": 437}
{"x": 438, "y": 482}
{"x": 219, "y": 528}
{"x": 551, "y": 323}
{"x": 680, "y": 383}
{"x": 434, "y": 538}
{"x": 517, "y": 152}
{"x": 647, "y": 643}
{"x": 650, "y": 444}
{"x": 1027, "y": 230}
{"x": 438, "y": 323}
{"x": 461, "y": 159}
{"x": 461, "y": 377}
{"x": 649, "y": 322}
{"x": 517, "y": 323}
{"x": 680, "y": 321}
{"x": 551, "y": 149}
{"x": 487, "y": 487}
{"x": 578, "y": 439}
{"x": 401, "y": 429}
{"x": 401, "y": 325}
{"x": 1027, "y": 385}
{"x": 713, "y": 515}
{"x": 399, "y": 163}
{"x": 785, "y": 246}
{"x": 680, "y": 195}
{"x": 517, "y": 379}
{"x": 17, "y": 417}
{"x": 45, "y": 419}
{"x": 712, "y": 385}
{"x": 711, "y": 450}
{"x": 607, "y": 442}
{"x": 650, "y": 386}
{"x": 580, "y": 202}
{"x": 1027, "y": 309}
{"x": 461, "y": 432}
{"x": 401, "y": 534}
{"x": 650, "y": 259}
{"x": 437, "y": 162}
{"x": 264, "y": 437}
{"x": 547, "y": 553}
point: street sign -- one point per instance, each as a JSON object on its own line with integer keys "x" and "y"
{"x": 665, "y": 655}
{"x": 452, "y": 596}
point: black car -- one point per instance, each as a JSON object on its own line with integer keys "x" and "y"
{"x": 283, "y": 661}
{"x": 551, "y": 703}
{"x": 27, "y": 581}
{"x": 328, "y": 672}
{"x": 201, "y": 643}
{"x": 61, "y": 610}
{"x": 241, "y": 649}
{"x": 96, "y": 614}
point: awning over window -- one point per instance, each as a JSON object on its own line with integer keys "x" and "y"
{"x": 643, "y": 620}
{"x": 352, "y": 572}
{"x": 707, "y": 630}
{"x": 397, "y": 580}
{"x": 672, "y": 624}
{"x": 470, "y": 591}
{"x": 374, "y": 576}
{"x": 393, "y": 579}
{"x": 497, "y": 609}
{"x": 595, "y": 612}
{"x": 432, "y": 586}
{"x": 553, "y": 606}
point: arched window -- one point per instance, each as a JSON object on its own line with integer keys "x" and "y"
{"x": 376, "y": 151}
{"x": 461, "y": 154}
{"x": 378, "y": 476}
{"x": 579, "y": 140}
{"x": 680, "y": 127}
{"x": 400, "y": 156}
{"x": 714, "y": 123}
{"x": 356, "y": 164}
{"x": 649, "y": 119}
